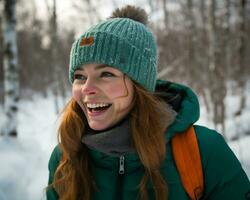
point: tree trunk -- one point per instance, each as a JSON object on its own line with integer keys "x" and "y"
{"x": 58, "y": 86}
{"x": 54, "y": 63}
{"x": 217, "y": 79}
{"x": 1, "y": 55}
{"x": 165, "y": 11}
{"x": 11, "y": 71}
{"x": 241, "y": 72}
{"x": 191, "y": 44}
{"x": 211, "y": 34}
{"x": 227, "y": 43}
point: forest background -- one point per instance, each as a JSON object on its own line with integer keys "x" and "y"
{"x": 203, "y": 44}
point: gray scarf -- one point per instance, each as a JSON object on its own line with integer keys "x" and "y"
{"x": 115, "y": 141}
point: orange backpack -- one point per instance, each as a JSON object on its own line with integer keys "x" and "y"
{"x": 188, "y": 162}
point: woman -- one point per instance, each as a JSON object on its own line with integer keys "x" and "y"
{"x": 116, "y": 132}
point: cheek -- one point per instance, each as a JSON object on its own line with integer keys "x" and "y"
{"x": 76, "y": 93}
{"x": 116, "y": 90}
{"x": 77, "y": 96}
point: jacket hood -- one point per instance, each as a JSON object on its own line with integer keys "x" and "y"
{"x": 185, "y": 103}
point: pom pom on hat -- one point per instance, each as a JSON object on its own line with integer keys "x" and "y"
{"x": 131, "y": 12}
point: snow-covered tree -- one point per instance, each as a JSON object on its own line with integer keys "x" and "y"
{"x": 11, "y": 71}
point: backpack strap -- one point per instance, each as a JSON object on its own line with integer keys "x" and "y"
{"x": 188, "y": 162}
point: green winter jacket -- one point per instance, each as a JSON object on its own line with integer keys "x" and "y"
{"x": 224, "y": 177}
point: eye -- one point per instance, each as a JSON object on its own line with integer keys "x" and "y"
{"x": 107, "y": 74}
{"x": 79, "y": 77}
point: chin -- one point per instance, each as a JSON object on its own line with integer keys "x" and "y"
{"x": 98, "y": 127}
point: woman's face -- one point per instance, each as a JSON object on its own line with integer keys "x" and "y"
{"x": 104, "y": 93}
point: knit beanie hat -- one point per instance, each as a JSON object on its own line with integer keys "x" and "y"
{"x": 122, "y": 43}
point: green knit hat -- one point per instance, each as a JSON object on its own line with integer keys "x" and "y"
{"x": 122, "y": 43}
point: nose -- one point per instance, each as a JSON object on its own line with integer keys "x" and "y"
{"x": 89, "y": 88}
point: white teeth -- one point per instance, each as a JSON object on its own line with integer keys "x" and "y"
{"x": 96, "y": 105}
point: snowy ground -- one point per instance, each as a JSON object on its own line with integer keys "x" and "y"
{"x": 23, "y": 169}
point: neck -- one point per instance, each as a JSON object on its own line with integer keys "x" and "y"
{"x": 115, "y": 140}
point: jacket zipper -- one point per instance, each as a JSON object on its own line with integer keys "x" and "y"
{"x": 121, "y": 165}
{"x": 120, "y": 177}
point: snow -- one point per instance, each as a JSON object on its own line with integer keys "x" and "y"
{"x": 23, "y": 169}
{"x": 24, "y": 160}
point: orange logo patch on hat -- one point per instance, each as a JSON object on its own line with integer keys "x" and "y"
{"x": 87, "y": 41}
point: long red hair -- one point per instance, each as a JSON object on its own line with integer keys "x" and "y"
{"x": 150, "y": 116}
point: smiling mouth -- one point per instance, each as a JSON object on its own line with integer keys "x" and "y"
{"x": 96, "y": 108}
